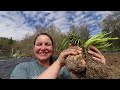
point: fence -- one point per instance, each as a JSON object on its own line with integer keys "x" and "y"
{"x": 19, "y": 53}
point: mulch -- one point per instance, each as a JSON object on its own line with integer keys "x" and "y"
{"x": 7, "y": 65}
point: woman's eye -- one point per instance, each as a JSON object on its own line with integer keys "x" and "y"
{"x": 39, "y": 44}
{"x": 47, "y": 44}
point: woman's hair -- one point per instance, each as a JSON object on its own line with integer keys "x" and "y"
{"x": 51, "y": 59}
{"x": 43, "y": 34}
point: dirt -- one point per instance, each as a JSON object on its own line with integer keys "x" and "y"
{"x": 95, "y": 70}
{"x": 75, "y": 64}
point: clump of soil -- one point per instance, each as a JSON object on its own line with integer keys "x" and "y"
{"x": 75, "y": 64}
{"x": 90, "y": 70}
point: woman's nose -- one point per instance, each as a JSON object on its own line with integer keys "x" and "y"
{"x": 43, "y": 47}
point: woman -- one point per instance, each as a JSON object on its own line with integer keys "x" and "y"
{"x": 46, "y": 66}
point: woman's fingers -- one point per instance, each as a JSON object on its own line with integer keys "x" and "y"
{"x": 95, "y": 49}
{"x": 98, "y": 59}
{"x": 96, "y": 54}
{"x": 71, "y": 52}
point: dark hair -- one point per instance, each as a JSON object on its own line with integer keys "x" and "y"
{"x": 51, "y": 59}
{"x": 43, "y": 34}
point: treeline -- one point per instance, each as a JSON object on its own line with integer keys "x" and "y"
{"x": 6, "y": 45}
{"x": 110, "y": 24}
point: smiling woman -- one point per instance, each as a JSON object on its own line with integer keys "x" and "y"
{"x": 43, "y": 47}
{"x": 46, "y": 66}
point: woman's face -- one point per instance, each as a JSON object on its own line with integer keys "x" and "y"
{"x": 43, "y": 48}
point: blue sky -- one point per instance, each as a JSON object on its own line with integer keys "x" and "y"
{"x": 17, "y": 24}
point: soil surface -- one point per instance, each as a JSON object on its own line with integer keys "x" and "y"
{"x": 95, "y": 70}
{"x": 7, "y": 65}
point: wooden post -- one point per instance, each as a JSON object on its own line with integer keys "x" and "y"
{"x": 12, "y": 52}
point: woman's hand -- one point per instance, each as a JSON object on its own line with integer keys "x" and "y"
{"x": 73, "y": 50}
{"x": 96, "y": 54}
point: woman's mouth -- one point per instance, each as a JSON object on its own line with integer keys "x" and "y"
{"x": 43, "y": 52}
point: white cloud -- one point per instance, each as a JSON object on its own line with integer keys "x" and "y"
{"x": 60, "y": 14}
{"x": 91, "y": 22}
{"x": 51, "y": 16}
{"x": 78, "y": 13}
{"x": 103, "y": 14}
{"x": 12, "y": 25}
{"x": 79, "y": 18}
{"x": 18, "y": 23}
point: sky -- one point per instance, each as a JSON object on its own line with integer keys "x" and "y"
{"x": 17, "y": 24}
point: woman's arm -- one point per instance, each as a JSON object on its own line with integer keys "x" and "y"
{"x": 52, "y": 71}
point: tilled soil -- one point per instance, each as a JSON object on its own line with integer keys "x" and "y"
{"x": 95, "y": 70}
{"x": 7, "y": 65}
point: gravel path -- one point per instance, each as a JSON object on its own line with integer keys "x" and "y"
{"x": 7, "y": 66}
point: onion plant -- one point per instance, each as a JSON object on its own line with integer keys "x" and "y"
{"x": 100, "y": 41}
